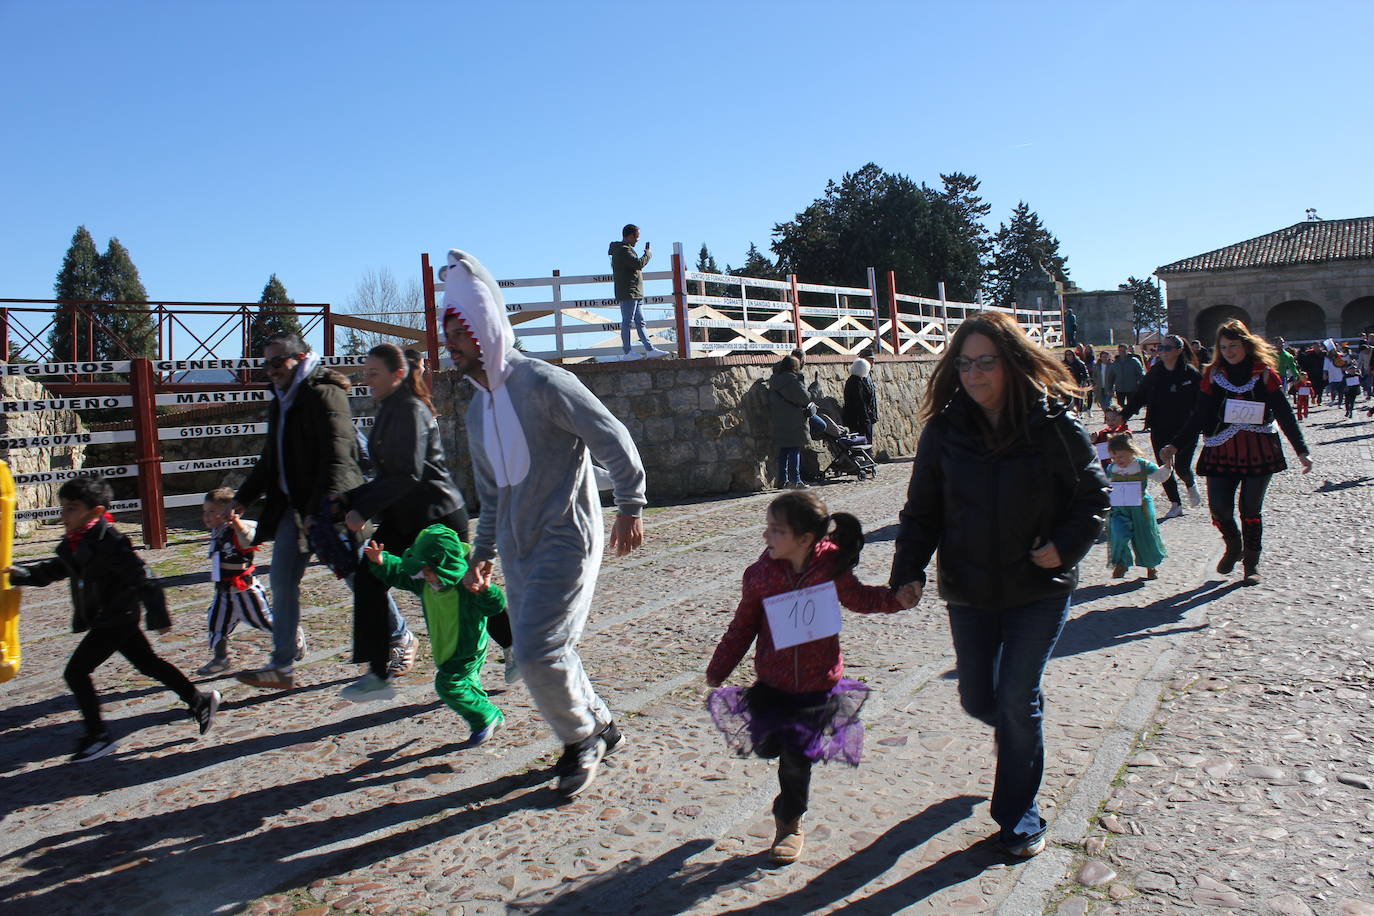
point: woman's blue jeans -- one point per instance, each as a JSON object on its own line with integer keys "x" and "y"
{"x": 789, "y": 466}
{"x": 1000, "y": 657}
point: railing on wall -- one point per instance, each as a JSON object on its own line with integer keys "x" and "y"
{"x": 704, "y": 314}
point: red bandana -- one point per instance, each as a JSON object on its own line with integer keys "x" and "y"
{"x": 74, "y": 538}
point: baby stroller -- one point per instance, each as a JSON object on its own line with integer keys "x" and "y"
{"x": 850, "y": 453}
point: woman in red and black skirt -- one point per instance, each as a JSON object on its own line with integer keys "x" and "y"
{"x": 1242, "y": 399}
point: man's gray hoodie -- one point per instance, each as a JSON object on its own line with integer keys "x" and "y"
{"x": 628, "y": 269}
{"x": 532, "y": 433}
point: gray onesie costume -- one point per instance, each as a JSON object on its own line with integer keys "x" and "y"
{"x": 543, "y": 516}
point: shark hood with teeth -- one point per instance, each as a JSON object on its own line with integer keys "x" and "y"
{"x": 472, "y": 294}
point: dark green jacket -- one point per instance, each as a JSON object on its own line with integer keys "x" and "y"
{"x": 787, "y": 400}
{"x": 320, "y": 448}
{"x": 456, "y": 618}
{"x": 628, "y": 269}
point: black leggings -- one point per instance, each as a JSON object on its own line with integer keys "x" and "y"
{"x": 1183, "y": 463}
{"x": 128, "y": 640}
{"x": 1221, "y": 499}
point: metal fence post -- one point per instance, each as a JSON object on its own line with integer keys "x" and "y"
{"x": 684, "y": 342}
{"x": 149, "y": 461}
{"x": 892, "y": 310}
{"x": 873, "y": 301}
{"x": 431, "y": 319}
{"x": 558, "y": 312}
{"x": 944, "y": 314}
{"x": 796, "y": 310}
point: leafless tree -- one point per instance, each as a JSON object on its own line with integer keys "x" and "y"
{"x": 378, "y": 297}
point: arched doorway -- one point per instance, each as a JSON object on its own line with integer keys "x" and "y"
{"x": 1296, "y": 319}
{"x": 1357, "y": 316}
{"x": 1208, "y": 320}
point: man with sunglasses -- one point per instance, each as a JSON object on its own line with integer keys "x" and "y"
{"x": 311, "y": 452}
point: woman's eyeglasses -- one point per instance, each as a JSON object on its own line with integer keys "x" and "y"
{"x": 985, "y": 363}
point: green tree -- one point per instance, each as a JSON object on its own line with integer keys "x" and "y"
{"x": 706, "y": 262}
{"x": 276, "y": 315}
{"x": 1148, "y": 312}
{"x": 1018, "y": 247}
{"x": 873, "y": 218}
{"x": 78, "y": 279}
{"x": 131, "y": 331}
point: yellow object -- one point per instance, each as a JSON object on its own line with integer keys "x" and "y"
{"x": 9, "y": 597}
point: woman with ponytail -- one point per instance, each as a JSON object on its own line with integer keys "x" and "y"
{"x": 1008, "y": 488}
{"x": 410, "y": 490}
{"x": 800, "y": 709}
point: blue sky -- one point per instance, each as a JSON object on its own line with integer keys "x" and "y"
{"x": 222, "y": 142}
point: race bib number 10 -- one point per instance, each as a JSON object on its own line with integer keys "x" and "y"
{"x": 802, "y": 616}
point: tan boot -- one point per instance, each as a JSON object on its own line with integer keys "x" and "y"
{"x": 787, "y": 845}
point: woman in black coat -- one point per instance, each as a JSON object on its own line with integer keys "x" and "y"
{"x": 860, "y": 400}
{"x": 1169, "y": 395}
{"x": 410, "y": 490}
{"x": 1007, "y": 487}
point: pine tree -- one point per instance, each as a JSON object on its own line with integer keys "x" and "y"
{"x": 277, "y": 319}
{"x": 78, "y": 279}
{"x": 706, "y": 262}
{"x": 1148, "y": 311}
{"x": 132, "y": 330}
{"x": 1019, "y": 247}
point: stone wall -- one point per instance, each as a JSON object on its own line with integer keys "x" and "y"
{"x": 702, "y": 426}
{"x": 37, "y": 423}
{"x": 1104, "y": 316}
{"x": 1197, "y": 301}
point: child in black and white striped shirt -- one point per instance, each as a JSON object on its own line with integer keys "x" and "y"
{"x": 238, "y": 596}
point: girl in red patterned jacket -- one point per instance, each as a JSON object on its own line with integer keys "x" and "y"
{"x": 801, "y": 708}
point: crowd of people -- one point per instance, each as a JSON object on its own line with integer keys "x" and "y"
{"x": 1008, "y": 494}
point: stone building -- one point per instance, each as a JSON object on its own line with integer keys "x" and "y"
{"x": 1105, "y": 316}
{"x": 1311, "y": 280}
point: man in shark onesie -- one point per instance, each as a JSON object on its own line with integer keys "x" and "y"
{"x": 543, "y": 517}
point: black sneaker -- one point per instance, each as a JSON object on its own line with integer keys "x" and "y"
{"x": 203, "y": 709}
{"x": 577, "y": 767}
{"x": 611, "y": 738}
{"x": 93, "y": 746}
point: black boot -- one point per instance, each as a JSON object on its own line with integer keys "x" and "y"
{"x": 1252, "y": 532}
{"x": 1230, "y": 536}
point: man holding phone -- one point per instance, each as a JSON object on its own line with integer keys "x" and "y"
{"x": 628, "y": 269}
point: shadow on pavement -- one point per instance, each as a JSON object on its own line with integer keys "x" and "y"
{"x": 52, "y": 739}
{"x": 1106, "y": 627}
{"x": 190, "y": 861}
{"x": 668, "y": 885}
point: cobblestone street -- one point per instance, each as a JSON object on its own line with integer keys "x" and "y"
{"x": 1210, "y": 748}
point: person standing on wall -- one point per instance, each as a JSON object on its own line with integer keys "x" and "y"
{"x": 533, "y": 430}
{"x": 1169, "y": 395}
{"x": 1007, "y": 487}
{"x": 311, "y": 452}
{"x": 1070, "y": 328}
{"x": 627, "y": 268}
{"x": 1239, "y": 413}
{"x": 410, "y": 490}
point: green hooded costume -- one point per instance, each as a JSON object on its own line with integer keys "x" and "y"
{"x": 456, "y": 618}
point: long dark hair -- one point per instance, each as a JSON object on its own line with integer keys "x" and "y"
{"x": 1185, "y": 352}
{"x": 806, "y": 513}
{"x": 1032, "y": 373}
{"x": 394, "y": 360}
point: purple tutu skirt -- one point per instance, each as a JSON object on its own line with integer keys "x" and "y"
{"x": 762, "y": 720}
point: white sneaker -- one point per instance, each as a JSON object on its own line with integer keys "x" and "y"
{"x": 1194, "y": 497}
{"x": 1175, "y": 510}
{"x": 512, "y": 669}
{"x": 654, "y": 353}
{"x": 630, "y": 357}
{"x": 368, "y": 688}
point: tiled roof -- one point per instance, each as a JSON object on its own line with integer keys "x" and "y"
{"x": 1308, "y": 242}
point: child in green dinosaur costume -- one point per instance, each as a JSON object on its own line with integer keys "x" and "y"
{"x": 433, "y": 568}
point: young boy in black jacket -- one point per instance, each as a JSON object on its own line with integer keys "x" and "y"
{"x": 109, "y": 581}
